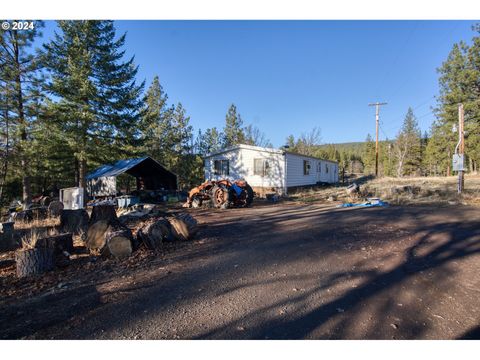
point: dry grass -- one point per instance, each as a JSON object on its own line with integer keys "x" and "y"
{"x": 35, "y": 224}
{"x": 29, "y": 240}
{"x": 404, "y": 191}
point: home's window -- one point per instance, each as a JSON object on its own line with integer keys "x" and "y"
{"x": 261, "y": 167}
{"x": 326, "y": 168}
{"x": 221, "y": 167}
{"x": 319, "y": 167}
{"x": 306, "y": 167}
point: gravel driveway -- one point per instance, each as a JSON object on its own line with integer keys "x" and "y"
{"x": 285, "y": 271}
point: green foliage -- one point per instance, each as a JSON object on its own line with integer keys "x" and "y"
{"x": 459, "y": 83}
{"x": 407, "y": 147}
{"x": 96, "y": 101}
{"x": 20, "y": 98}
{"x": 368, "y": 155}
{"x": 233, "y": 133}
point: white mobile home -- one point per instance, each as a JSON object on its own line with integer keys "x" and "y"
{"x": 268, "y": 169}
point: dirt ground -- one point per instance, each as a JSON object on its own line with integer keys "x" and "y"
{"x": 277, "y": 271}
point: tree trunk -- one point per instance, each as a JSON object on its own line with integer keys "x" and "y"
{"x": 96, "y": 235}
{"x": 55, "y": 208}
{"x": 154, "y": 232}
{"x": 82, "y": 180}
{"x": 103, "y": 212}
{"x": 34, "y": 261}
{"x": 27, "y": 196}
{"x": 184, "y": 226}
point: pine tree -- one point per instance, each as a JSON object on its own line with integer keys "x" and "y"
{"x": 96, "y": 101}
{"x": 233, "y": 133}
{"x": 19, "y": 99}
{"x": 369, "y": 155}
{"x": 157, "y": 128}
{"x": 407, "y": 146}
{"x": 208, "y": 142}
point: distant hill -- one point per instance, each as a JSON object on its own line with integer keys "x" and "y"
{"x": 349, "y": 146}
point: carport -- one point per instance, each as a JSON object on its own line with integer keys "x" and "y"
{"x": 149, "y": 175}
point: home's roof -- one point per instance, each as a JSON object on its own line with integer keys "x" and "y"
{"x": 123, "y": 166}
{"x": 262, "y": 149}
{"x": 244, "y": 146}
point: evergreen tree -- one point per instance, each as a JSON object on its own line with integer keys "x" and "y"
{"x": 233, "y": 133}
{"x": 290, "y": 142}
{"x": 407, "y": 146}
{"x": 369, "y": 155}
{"x": 157, "y": 127}
{"x": 208, "y": 142}
{"x": 19, "y": 101}
{"x": 96, "y": 101}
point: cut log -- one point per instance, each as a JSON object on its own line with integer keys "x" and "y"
{"x": 154, "y": 232}
{"x": 74, "y": 221}
{"x": 96, "y": 235}
{"x": 110, "y": 239}
{"x": 184, "y": 226}
{"x": 55, "y": 208}
{"x": 103, "y": 212}
{"x": 60, "y": 243}
{"x": 118, "y": 243}
{"x": 34, "y": 261}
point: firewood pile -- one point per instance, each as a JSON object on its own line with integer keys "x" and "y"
{"x": 104, "y": 234}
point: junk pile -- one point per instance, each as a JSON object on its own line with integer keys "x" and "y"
{"x": 221, "y": 194}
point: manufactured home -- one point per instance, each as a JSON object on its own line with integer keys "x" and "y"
{"x": 269, "y": 170}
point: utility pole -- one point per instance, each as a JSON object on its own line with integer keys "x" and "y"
{"x": 377, "y": 122}
{"x": 461, "y": 146}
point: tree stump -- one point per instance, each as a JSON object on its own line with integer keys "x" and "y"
{"x": 34, "y": 261}
{"x": 154, "y": 232}
{"x": 110, "y": 239}
{"x": 184, "y": 226}
{"x": 74, "y": 221}
{"x": 39, "y": 213}
{"x": 7, "y": 240}
{"x": 55, "y": 208}
{"x": 24, "y": 216}
{"x": 60, "y": 243}
{"x": 103, "y": 212}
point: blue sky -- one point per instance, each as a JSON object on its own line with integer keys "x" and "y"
{"x": 287, "y": 77}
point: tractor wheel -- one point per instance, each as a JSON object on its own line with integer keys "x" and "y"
{"x": 220, "y": 197}
{"x": 249, "y": 199}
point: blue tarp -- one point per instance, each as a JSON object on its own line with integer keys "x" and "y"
{"x": 116, "y": 169}
{"x": 368, "y": 203}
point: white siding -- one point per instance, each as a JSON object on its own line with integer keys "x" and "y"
{"x": 242, "y": 166}
{"x": 296, "y": 176}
